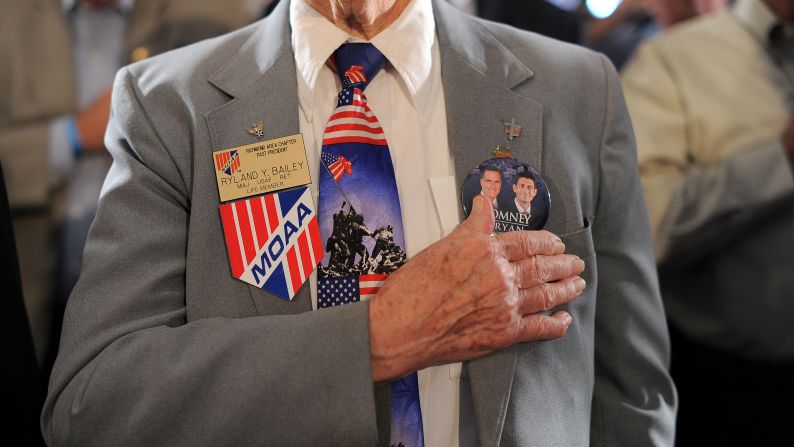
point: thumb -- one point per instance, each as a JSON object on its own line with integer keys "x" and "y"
{"x": 481, "y": 219}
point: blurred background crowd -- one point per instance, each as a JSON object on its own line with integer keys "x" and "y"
{"x": 710, "y": 89}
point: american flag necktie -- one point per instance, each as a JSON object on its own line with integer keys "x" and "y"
{"x": 360, "y": 217}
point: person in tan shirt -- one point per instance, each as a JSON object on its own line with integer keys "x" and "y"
{"x": 711, "y": 101}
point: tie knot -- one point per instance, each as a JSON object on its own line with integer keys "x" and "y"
{"x": 357, "y": 63}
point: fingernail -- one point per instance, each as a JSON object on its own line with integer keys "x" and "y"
{"x": 579, "y": 284}
{"x": 568, "y": 319}
{"x": 559, "y": 247}
{"x": 581, "y": 265}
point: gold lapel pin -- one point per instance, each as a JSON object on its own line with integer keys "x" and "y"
{"x": 257, "y": 129}
{"x": 502, "y": 152}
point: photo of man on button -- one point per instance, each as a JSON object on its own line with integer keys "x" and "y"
{"x": 513, "y": 337}
{"x": 491, "y": 183}
{"x": 524, "y": 189}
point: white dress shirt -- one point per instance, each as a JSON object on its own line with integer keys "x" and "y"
{"x": 408, "y": 99}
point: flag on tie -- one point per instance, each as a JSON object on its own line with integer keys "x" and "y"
{"x": 356, "y": 74}
{"x": 338, "y": 165}
{"x": 339, "y": 290}
{"x": 353, "y": 121}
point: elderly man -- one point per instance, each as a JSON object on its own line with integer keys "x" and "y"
{"x": 162, "y": 345}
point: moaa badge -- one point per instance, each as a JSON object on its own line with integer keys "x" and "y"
{"x": 519, "y": 196}
{"x": 273, "y": 240}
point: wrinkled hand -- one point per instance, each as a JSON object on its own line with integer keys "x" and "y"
{"x": 470, "y": 294}
{"x": 92, "y": 122}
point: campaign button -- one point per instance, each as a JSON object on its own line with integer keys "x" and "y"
{"x": 517, "y": 192}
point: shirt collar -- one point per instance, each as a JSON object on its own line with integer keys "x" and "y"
{"x": 756, "y": 17}
{"x": 407, "y": 44}
{"x": 521, "y": 209}
{"x": 125, "y": 6}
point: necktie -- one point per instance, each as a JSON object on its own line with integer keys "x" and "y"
{"x": 360, "y": 216}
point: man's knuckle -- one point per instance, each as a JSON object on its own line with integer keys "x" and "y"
{"x": 545, "y": 327}
{"x": 550, "y": 294}
{"x": 533, "y": 241}
{"x": 530, "y": 329}
{"x": 547, "y": 241}
{"x": 543, "y": 269}
{"x": 533, "y": 271}
{"x": 491, "y": 249}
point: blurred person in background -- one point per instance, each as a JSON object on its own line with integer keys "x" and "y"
{"x": 539, "y": 16}
{"x": 60, "y": 59}
{"x": 712, "y": 103}
{"x": 633, "y": 21}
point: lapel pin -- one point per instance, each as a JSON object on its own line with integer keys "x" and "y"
{"x": 257, "y": 129}
{"x": 502, "y": 152}
{"x": 512, "y": 129}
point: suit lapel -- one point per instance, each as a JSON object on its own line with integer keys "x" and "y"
{"x": 261, "y": 82}
{"x": 479, "y": 76}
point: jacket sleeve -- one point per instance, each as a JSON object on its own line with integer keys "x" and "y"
{"x": 634, "y": 399}
{"x": 131, "y": 369}
{"x": 695, "y": 207}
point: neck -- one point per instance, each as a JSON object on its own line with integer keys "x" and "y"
{"x": 523, "y": 205}
{"x": 783, "y": 9}
{"x": 362, "y": 19}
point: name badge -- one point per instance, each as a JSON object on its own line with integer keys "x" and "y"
{"x": 261, "y": 168}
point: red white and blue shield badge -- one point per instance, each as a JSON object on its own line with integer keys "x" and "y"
{"x": 273, "y": 240}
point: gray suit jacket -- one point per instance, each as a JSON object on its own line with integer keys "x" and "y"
{"x": 161, "y": 346}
